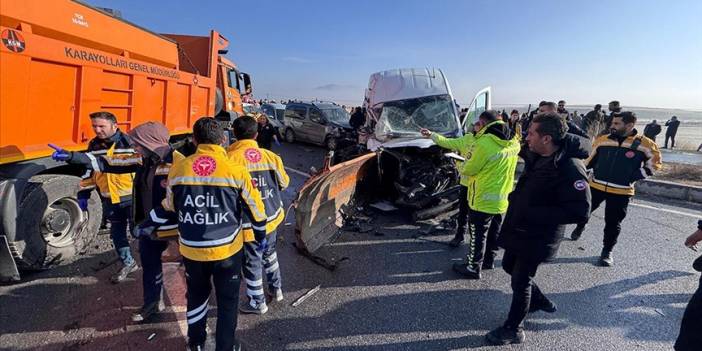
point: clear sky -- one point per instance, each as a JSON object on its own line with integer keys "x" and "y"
{"x": 643, "y": 53}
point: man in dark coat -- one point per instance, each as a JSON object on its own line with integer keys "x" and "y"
{"x": 553, "y": 191}
{"x": 652, "y": 130}
{"x": 671, "y": 131}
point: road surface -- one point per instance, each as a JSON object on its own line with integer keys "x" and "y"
{"x": 393, "y": 290}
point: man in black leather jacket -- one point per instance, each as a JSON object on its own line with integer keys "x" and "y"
{"x": 553, "y": 191}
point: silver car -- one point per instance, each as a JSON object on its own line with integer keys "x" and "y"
{"x": 315, "y": 122}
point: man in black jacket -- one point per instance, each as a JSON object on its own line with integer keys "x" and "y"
{"x": 652, "y": 130}
{"x": 671, "y": 131}
{"x": 552, "y": 192}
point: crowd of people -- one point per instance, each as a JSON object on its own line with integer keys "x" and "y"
{"x": 595, "y": 122}
{"x": 222, "y": 202}
{"x": 571, "y": 167}
{"x": 223, "y": 205}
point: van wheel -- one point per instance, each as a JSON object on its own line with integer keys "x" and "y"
{"x": 289, "y": 136}
{"x": 50, "y": 221}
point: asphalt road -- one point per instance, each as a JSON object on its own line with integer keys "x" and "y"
{"x": 393, "y": 290}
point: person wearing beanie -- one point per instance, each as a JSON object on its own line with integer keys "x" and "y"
{"x": 150, "y": 165}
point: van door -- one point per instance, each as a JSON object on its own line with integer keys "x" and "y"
{"x": 315, "y": 126}
{"x": 295, "y": 116}
{"x": 481, "y": 103}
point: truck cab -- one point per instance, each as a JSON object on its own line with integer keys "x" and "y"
{"x": 232, "y": 85}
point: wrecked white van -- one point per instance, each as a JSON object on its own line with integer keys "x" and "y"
{"x": 400, "y": 166}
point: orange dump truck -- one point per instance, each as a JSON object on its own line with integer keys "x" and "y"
{"x": 62, "y": 60}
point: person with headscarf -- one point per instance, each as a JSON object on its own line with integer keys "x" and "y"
{"x": 150, "y": 166}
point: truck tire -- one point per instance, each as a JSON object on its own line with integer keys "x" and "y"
{"x": 219, "y": 101}
{"x": 289, "y": 136}
{"x": 49, "y": 216}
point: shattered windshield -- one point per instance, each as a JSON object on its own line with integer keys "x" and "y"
{"x": 336, "y": 114}
{"x": 407, "y": 117}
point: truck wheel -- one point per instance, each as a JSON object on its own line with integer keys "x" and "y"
{"x": 219, "y": 101}
{"x": 289, "y": 136}
{"x": 49, "y": 219}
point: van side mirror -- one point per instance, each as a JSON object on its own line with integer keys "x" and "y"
{"x": 247, "y": 83}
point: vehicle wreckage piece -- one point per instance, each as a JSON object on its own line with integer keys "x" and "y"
{"x": 323, "y": 198}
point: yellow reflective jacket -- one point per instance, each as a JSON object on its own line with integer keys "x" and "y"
{"x": 490, "y": 165}
{"x": 117, "y": 150}
{"x": 210, "y": 195}
{"x": 268, "y": 173}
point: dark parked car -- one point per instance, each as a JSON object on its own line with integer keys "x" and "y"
{"x": 321, "y": 123}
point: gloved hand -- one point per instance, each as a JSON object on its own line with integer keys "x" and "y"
{"x": 262, "y": 245}
{"x": 83, "y": 204}
{"x": 60, "y": 154}
{"x": 141, "y": 230}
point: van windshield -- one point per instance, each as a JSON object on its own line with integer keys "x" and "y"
{"x": 407, "y": 117}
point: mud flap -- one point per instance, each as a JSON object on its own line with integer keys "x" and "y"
{"x": 8, "y": 268}
{"x": 322, "y": 199}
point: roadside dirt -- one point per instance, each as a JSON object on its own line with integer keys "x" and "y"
{"x": 680, "y": 173}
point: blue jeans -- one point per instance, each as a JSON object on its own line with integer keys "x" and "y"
{"x": 120, "y": 217}
{"x": 255, "y": 262}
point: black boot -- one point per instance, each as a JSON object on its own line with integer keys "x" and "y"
{"x": 577, "y": 232}
{"x": 505, "y": 336}
{"x": 489, "y": 262}
{"x": 148, "y": 311}
{"x": 606, "y": 259}
{"x": 456, "y": 241}
{"x": 546, "y": 306}
{"x": 465, "y": 271}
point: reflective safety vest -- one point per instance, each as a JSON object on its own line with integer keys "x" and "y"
{"x": 117, "y": 150}
{"x": 209, "y": 194}
{"x": 490, "y": 166}
{"x": 269, "y": 176}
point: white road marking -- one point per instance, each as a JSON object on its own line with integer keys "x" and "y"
{"x": 416, "y": 252}
{"x": 687, "y": 214}
{"x": 415, "y": 275}
{"x": 373, "y": 242}
{"x": 300, "y": 173}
